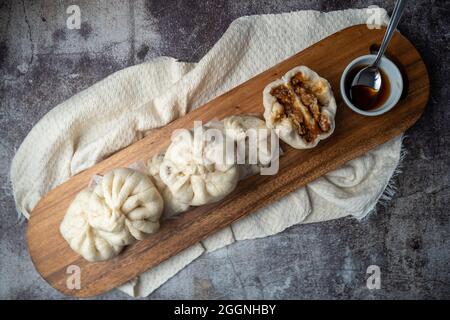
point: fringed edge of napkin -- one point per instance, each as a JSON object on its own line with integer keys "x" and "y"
{"x": 391, "y": 187}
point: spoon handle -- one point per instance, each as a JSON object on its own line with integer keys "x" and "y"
{"x": 395, "y": 18}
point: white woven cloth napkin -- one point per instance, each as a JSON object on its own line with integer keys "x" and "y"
{"x": 120, "y": 109}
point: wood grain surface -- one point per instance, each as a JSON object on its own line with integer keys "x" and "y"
{"x": 354, "y": 135}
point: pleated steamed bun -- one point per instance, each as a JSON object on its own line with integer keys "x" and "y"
{"x": 172, "y": 205}
{"x": 253, "y": 143}
{"x": 196, "y": 168}
{"x": 124, "y": 206}
{"x": 80, "y": 235}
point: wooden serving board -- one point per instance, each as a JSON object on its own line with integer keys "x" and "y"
{"x": 354, "y": 136}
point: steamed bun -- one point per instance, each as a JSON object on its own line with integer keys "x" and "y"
{"x": 124, "y": 207}
{"x": 172, "y": 205}
{"x": 237, "y": 126}
{"x": 196, "y": 168}
{"x": 80, "y": 235}
{"x": 253, "y": 139}
{"x": 301, "y": 106}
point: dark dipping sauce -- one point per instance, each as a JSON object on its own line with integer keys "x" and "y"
{"x": 365, "y": 98}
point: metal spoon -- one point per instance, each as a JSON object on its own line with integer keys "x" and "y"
{"x": 370, "y": 77}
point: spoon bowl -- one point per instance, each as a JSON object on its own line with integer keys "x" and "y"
{"x": 368, "y": 77}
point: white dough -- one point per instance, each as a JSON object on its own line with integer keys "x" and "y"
{"x": 286, "y": 130}
{"x": 172, "y": 206}
{"x": 124, "y": 207}
{"x": 80, "y": 235}
{"x": 197, "y": 171}
{"x": 253, "y": 141}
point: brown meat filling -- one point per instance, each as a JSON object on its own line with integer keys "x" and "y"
{"x": 287, "y": 99}
{"x": 306, "y": 116}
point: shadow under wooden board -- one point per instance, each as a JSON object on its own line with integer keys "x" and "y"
{"x": 354, "y": 136}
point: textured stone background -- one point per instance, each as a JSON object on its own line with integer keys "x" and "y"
{"x": 42, "y": 63}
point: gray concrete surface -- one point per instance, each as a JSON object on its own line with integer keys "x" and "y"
{"x": 42, "y": 63}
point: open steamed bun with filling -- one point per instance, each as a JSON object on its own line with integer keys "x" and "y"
{"x": 124, "y": 206}
{"x": 196, "y": 167}
{"x": 301, "y": 106}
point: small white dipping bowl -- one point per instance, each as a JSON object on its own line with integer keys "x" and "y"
{"x": 390, "y": 70}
